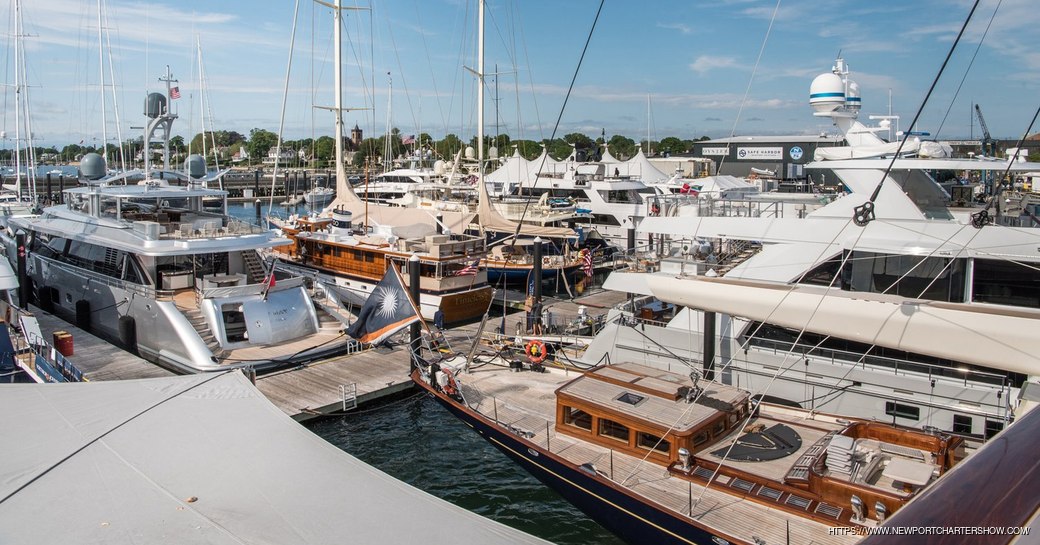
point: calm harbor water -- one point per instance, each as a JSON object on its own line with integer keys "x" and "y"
{"x": 418, "y": 442}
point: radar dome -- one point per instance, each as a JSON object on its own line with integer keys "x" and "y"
{"x": 852, "y": 98}
{"x": 154, "y": 105}
{"x": 440, "y": 168}
{"x": 93, "y": 166}
{"x": 827, "y": 93}
{"x": 470, "y": 152}
{"x": 195, "y": 164}
{"x": 493, "y": 152}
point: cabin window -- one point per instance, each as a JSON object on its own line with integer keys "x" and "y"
{"x": 993, "y": 427}
{"x": 630, "y": 398}
{"x": 1005, "y": 283}
{"x": 733, "y": 417}
{"x": 720, "y": 426}
{"x": 700, "y": 438}
{"x": 613, "y": 430}
{"x": 919, "y": 277}
{"x": 961, "y": 424}
{"x": 577, "y": 418}
{"x": 650, "y": 441}
{"x": 358, "y": 255}
{"x": 370, "y": 258}
{"x": 336, "y": 251}
{"x": 900, "y": 410}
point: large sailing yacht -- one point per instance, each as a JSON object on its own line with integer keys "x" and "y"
{"x": 147, "y": 265}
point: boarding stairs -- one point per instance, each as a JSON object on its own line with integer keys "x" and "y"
{"x": 255, "y": 270}
{"x": 201, "y": 326}
{"x": 738, "y": 252}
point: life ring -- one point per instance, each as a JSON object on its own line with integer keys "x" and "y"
{"x": 655, "y": 209}
{"x": 546, "y": 261}
{"x": 535, "y": 351}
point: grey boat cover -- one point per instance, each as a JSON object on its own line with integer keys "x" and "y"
{"x": 198, "y": 459}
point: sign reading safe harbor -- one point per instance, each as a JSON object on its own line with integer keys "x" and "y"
{"x": 759, "y": 154}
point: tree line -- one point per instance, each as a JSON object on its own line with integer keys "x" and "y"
{"x": 222, "y": 145}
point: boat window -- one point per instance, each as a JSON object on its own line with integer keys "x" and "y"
{"x": 774, "y": 337}
{"x": 902, "y": 411}
{"x": 577, "y": 418}
{"x": 358, "y": 255}
{"x": 930, "y": 199}
{"x": 620, "y": 196}
{"x": 652, "y": 442}
{"x": 918, "y": 277}
{"x": 1005, "y": 283}
{"x": 961, "y": 424}
{"x": 605, "y": 219}
{"x": 720, "y": 426}
{"x": 993, "y": 427}
{"x": 823, "y": 274}
{"x": 613, "y": 430}
{"x": 700, "y": 438}
{"x": 130, "y": 271}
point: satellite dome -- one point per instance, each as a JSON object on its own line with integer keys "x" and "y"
{"x": 493, "y": 152}
{"x": 195, "y": 164}
{"x": 93, "y": 166}
{"x": 154, "y": 105}
{"x": 440, "y": 168}
{"x": 470, "y": 152}
{"x": 827, "y": 93}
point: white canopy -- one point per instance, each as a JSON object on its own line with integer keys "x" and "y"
{"x": 198, "y": 459}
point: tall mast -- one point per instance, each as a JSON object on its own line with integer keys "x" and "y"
{"x": 18, "y": 96}
{"x": 101, "y": 68}
{"x": 337, "y": 17}
{"x": 480, "y": 90}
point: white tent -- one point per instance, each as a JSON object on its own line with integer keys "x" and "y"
{"x": 198, "y": 459}
{"x": 641, "y": 168}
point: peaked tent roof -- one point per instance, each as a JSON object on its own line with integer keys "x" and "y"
{"x": 640, "y": 167}
{"x": 198, "y": 459}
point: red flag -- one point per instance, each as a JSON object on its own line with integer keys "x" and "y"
{"x": 175, "y": 93}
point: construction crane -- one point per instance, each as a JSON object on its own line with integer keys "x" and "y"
{"x": 987, "y": 140}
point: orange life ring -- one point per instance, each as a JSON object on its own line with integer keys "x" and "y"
{"x": 655, "y": 209}
{"x": 535, "y": 351}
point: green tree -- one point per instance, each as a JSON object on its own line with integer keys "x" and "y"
{"x": 324, "y": 150}
{"x": 448, "y": 146}
{"x": 671, "y": 145}
{"x": 622, "y": 147}
{"x": 260, "y": 142}
{"x": 529, "y": 149}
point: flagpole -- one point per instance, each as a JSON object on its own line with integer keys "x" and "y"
{"x": 413, "y": 291}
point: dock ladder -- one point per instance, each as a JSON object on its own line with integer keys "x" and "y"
{"x": 348, "y": 393}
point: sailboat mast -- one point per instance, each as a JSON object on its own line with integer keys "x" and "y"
{"x": 480, "y": 90}
{"x": 18, "y": 96}
{"x": 101, "y": 68}
{"x": 341, "y": 173}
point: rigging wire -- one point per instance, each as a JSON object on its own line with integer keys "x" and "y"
{"x": 982, "y": 218}
{"x": 864, "y": 213}
{"x": 968, "y": 69}
{"x": 747, "y": 90}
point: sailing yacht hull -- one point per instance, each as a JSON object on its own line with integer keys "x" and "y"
{"x": 633, "y": 520}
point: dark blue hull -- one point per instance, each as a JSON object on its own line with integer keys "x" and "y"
{"x": 631, "y": 518}
{"x": 519, "y": 276}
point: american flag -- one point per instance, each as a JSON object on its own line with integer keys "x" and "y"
{"x": 469, "y": 270}
{"x": 175, "y": 93}
{"x": 410, "y": 139}
{"x": 586, "y": 262}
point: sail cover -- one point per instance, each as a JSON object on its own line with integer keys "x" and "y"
{"x": 203, "y": 459}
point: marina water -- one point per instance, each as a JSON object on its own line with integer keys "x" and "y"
{"x": 417, "y": 441}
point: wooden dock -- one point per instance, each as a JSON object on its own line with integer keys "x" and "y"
{"x": 319, "y": 388}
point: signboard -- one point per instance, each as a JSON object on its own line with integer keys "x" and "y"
{"x": 761, "y": 154}
{"x": 715, "y": 151}
{"x": 796, "y": 153}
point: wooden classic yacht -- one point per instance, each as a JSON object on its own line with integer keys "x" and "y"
{"x": 350, "y": 262}
{"x": 657, "y": 457}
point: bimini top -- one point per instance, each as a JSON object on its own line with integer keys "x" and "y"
{"x": 198, "y": 459}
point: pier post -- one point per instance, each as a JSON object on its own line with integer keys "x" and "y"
{"x": 413, "y": 290}
{"x": 256, "y": 206}
{"x": 632, "y": 241}
{"x": 23, "y": 275}
{"x": 48, "y": 196}
{"x": 256, "y": 182}
{"x": 536, "y": 272}
{"x": 61, "y": 185}
{"x": 709, "y": 345}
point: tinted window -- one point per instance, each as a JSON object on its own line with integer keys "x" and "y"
{"x": 1005, "y": 283}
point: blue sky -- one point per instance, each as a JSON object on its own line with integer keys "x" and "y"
{"x": 694, "y": 59}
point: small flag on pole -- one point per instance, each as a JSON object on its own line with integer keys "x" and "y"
{"x": 410, "y": 139}
{"x": 468, "y": 270}
{"x": 385, "y": 312}
{"x": 175, "y": 93}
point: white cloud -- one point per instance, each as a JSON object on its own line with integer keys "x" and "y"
{"x": 683, "y": 28}
{"x": 706, "y": 63}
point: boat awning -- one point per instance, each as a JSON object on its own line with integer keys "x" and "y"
{"x": 198, "y": 459}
